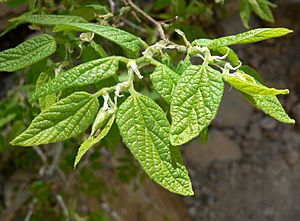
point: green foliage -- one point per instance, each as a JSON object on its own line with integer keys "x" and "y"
{"x": 145, "y": 130}
{"x": 248, "y": 85}
{"x": 50, "y": 20}
{"x": 81, "y": 75}
{"x": 92, "y": 140}
{"x": 252, "y": 36}
{"x": 66, "y": 118}
{"x": 126, "y": 40}
{"x": 195, "y": 102}
{"x": 70, "y": 100}
{"x": 164, "y": 80}
{"x": 27, "y": 53}
{"x": 262, "y": 8}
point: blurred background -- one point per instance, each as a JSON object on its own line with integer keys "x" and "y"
{"x": 248, "y": 171}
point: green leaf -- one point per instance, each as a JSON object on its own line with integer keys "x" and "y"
{"x": 270, "y": 105}
{"x": 248, "y": 84}
{"x": 252, "y": 36}
{"x": 64, "y": 119}
{"x": 7, "y": 118}
{"x": 252, "y": 72}
{"x": 126, "y": 40}
{"x": 50, "y": 99}
{"x": 231, "y": 55}
{"x": 81, "y": 75}
{"x": 164, "y": 80}
{"x": 145, "y": 131}
{"x": 195, "y": 102}
{"x": 50, "y": 20}
{"x": 31, "y": 4}
{"x": 262, "y": 9}
{"x": 27, "y": 53}
{"x": 91, "y": 141}
{"x": 245, "y": 12}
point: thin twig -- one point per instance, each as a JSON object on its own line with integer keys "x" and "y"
{"x": 41, "y": 154}
{"x": 134, "y": 26}
{"x": 112, "y": 5}
{"x": 56, "y": 158}
{"x": 149, "y": 18}
{"x": 30, "y": 210}
{"x": 62, "y": 204}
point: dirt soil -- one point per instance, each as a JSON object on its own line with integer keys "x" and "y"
{"x": 250, "y": 168}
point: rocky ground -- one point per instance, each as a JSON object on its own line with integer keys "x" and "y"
{"x": 250, "y": 168}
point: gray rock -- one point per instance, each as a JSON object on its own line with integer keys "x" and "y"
{"x": 268, "y": 123}
{"x": 219, "y": 148}
{"x": 234, "y": 110}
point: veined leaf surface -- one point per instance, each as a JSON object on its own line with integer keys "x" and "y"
{"x": 50, "y": 99}
{"x": 50, "y": 20}
{"x": 81, "y": 75}
{"x": 248, "y": 84}
{"x": 145, "y": 131}
{"x": 64, "y": 119}
{"x": 27, "y": 53}
{"x": 252, "y": 36}
{"x": 195, "y": 102}
{"x": 126, "y": 40}
{"x": 164, "y": 80}
{"x": 270, "y": 105}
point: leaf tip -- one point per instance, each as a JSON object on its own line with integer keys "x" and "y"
{"x": 285, "y": 91}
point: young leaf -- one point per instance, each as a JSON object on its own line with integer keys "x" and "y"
{"x": 252, "y": 72}
{"x": 270, "y": 105}
{"x": 145, "y": 131}
{"x": 195, "y": 102}
{"x": 164, "y": 80}
{"x": 50, "y": 20}
{"x": 81, "y": 75}
{"x": 91, "y": 141}
{"x": 50, "y": 99}
{"x": 126, "y": 40}
{"x": 64, "y": 119}
{"x": 27, "y": 53}
{"x": 252, "y": 36}
{"x": 248, "y": 84}
{"x": 231, "y": 55}
{"x": 101, "y": 118}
